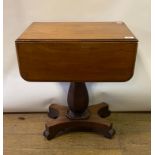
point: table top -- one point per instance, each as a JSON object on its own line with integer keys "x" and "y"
{"x": 77, "y": 51}
{"x": 107, "y": 31}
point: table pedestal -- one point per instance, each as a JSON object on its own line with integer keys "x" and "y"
{"x": 78, "y": 116}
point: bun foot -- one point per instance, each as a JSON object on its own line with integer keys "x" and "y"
{"x": 47, "y": 135}
{"x": 110, "y": 133}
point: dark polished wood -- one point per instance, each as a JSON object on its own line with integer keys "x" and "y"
{"x": 62, "y": 31}
{"x": 77, "y": 101}
{"x": 77, "y": 52}
{"x": 78, "y": 116}
{"x": 59, "y": 124}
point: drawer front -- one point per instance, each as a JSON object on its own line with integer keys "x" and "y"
{"x": 76, "y": 61}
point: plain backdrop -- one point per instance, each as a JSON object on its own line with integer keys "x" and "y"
{"x": 23, "y": 96}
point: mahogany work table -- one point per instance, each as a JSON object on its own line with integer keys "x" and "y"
{"x": 77, "y": 52}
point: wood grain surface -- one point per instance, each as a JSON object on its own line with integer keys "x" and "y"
{"x": 23, "y": 136}
{"x": 77, "y": 52}
{"x": 76, "y": 61}
{"x": 77, "y": 31}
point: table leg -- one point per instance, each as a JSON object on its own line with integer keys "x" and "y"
{"x": 78, "y": 116}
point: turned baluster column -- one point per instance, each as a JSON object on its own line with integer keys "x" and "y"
{"x": 78, "y": 101}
